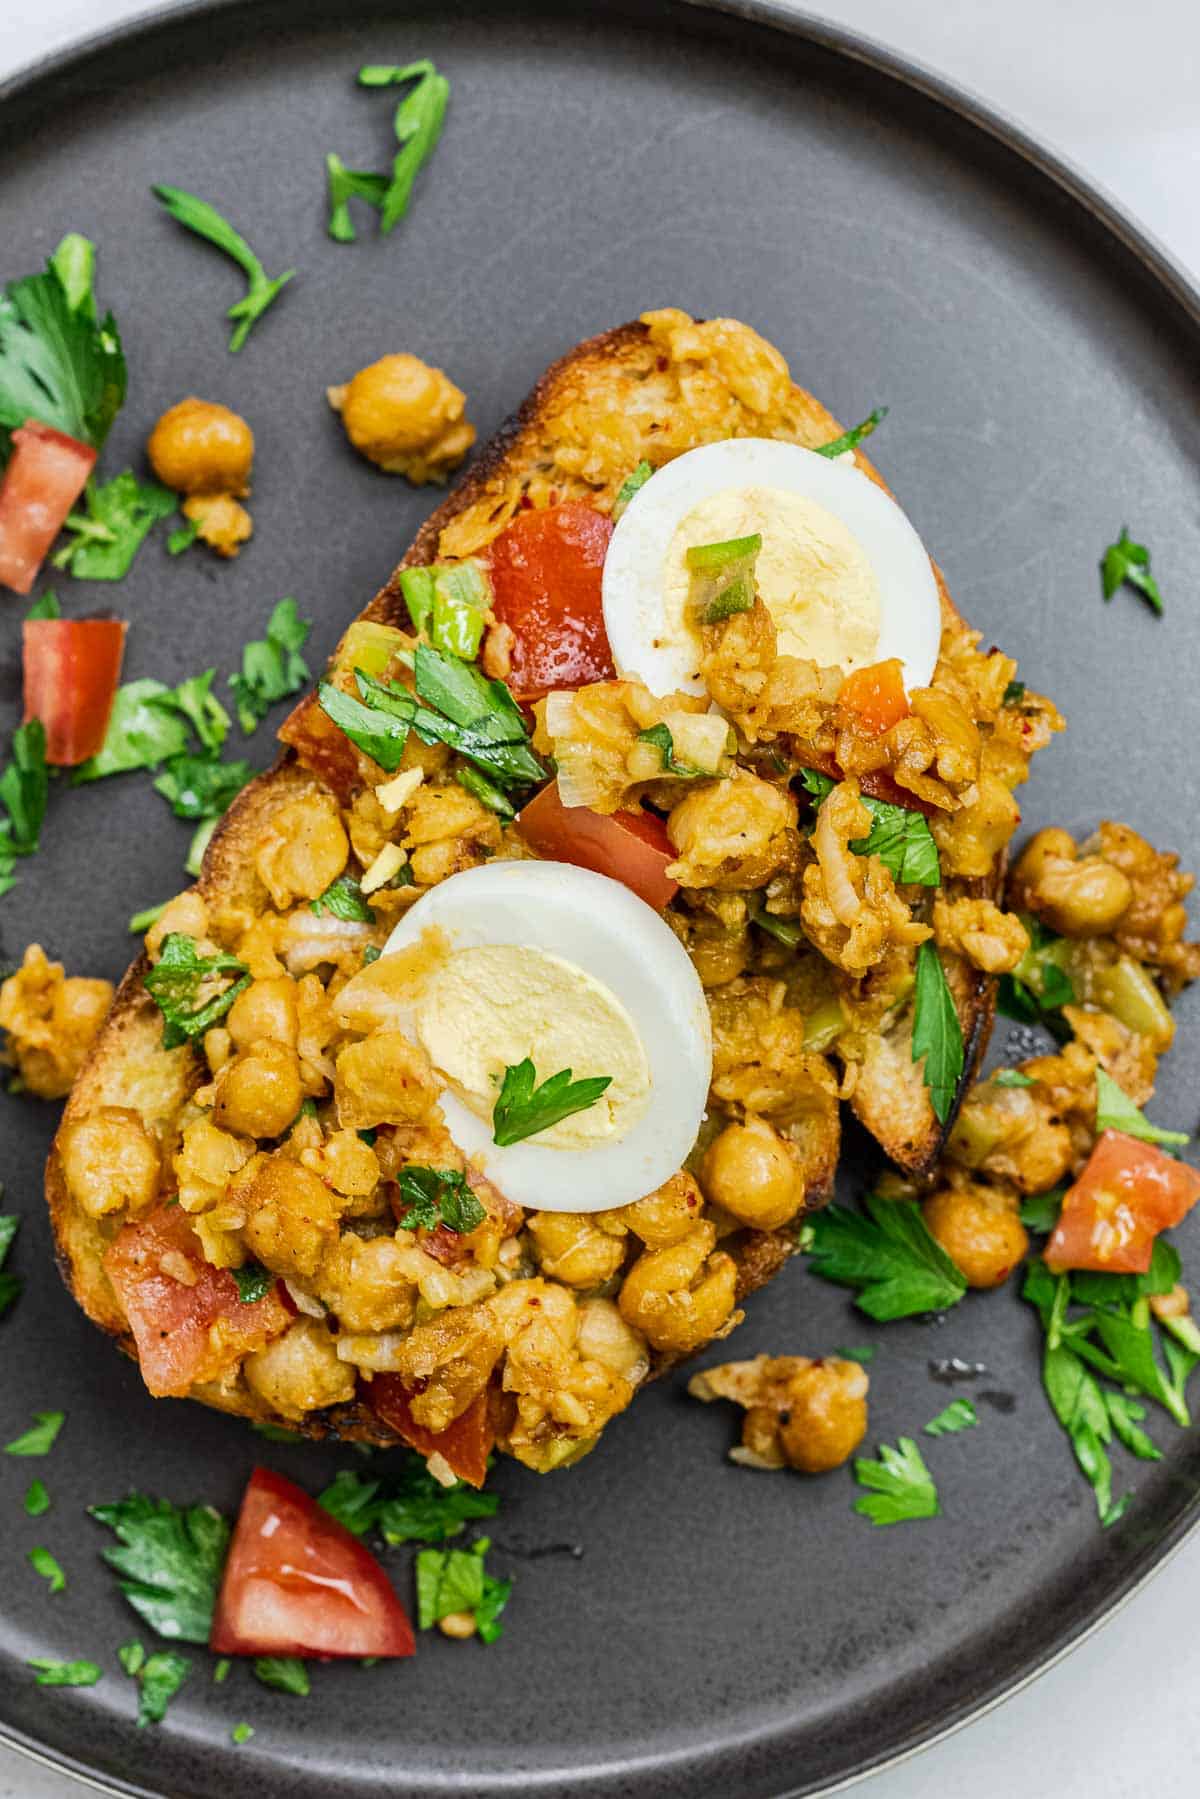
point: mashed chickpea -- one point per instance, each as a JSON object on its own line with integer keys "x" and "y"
{"x": 205, "y": 451}
{"x": 406, "y": 417}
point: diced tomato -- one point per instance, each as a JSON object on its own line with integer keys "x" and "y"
{"x": 1128, "y": 1192}
{"x": 631, "y": 847}
{"x": 46, "y": 474}
{"x": 172, "y": 1319}
{"x": 545, "y": 569}
{"x": 298, "y": 1583}
{"x": 72, "y": 666}
{"x": 464, "y": 1445}
{"x": 876, "y": 694}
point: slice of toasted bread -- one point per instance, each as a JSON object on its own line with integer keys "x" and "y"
{"x": 610, "y": 375}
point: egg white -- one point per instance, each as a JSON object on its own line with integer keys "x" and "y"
{"x": 645, "y": 643}
{"x": 615, "y": 937}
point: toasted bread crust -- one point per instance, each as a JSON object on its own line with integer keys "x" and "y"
{"x": 128, "y": 1066}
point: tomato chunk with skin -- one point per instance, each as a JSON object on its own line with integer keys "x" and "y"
{"x": 72, "y": 667}
{"x": 630, "y": 847}
{"x": 46, "y": 474}
{"x": 545, "y": 569}
{"x": 171, "y": 1320}
{"x": 464, "y": 1445}
{"x": 1128, "y": 1192}
{"x": 298, "y": 1583}
{"x": 876, "y": 694}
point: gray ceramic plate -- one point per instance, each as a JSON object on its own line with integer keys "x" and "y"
{"x": 723, "y": 1632}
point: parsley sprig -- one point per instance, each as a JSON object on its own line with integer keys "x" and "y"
{"x": 272, "y": 666}
{"x": 434, "y": 1196}
{"x": 198, "y": 216}
{"x": 937, "y": 1032}
{"x": 1126, "y": 561}
{"x": 175, "y": 984}
{"x": 103, "y": 539}
{"x": 168, "y": 1560}
{"x": 901, "y": 1486}
{"x": 417, "y": 124}
{"x": 523, "y": 1108}
{"x": 896, "y": 1266}
{"x": 59, "y": 364}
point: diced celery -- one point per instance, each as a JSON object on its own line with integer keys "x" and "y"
{"x": 824, "y": 1025}
{"x": 1127, "y": 990}
{"x": 416, "y": 584}
{"x": 371, "y": 647}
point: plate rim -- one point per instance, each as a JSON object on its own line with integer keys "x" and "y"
{"x": 1166, "y": 273}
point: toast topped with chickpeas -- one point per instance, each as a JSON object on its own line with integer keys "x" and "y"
{"x": 658, "y": 803}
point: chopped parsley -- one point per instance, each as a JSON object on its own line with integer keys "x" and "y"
{"x": 168, "y": 1561}
{"x": 43, "y": 1563}
{"x": 960, "y": 1414}
{"x": 241, "y": 1733}
{"x": 254, "y": 1282}
{"x": 417, "y": 124}
{"x": 286, "y": 1673}
{"x": 1039, "y": 986}
{"x": 631, "y": 485}
{"x": 1126, "y": 561}
{"x": 1011, "y": 1077}
{"x": 104, "y": 538}
{"x": 51, "y": 1673}
{"x": 175, "y": 983}
{"x": 37, "y": 1499}
{"x": 40, "y": 1438}
{"x": 131, "y": 1657}
{"x": 899, "y": 836}
{"x": 159, "y": 1678}
{"x": 58, "y": 363}
{"x": 45, "y": 606}
{"x": 272, "y": 666}
{"x": 937, "y": 1032}
{"x": 896, "y": 1266}
{"x": 850, "y": 440}
{"x": 343, "y": 899}
{"x": 405, "y": 1507}
{"x": 1013, "y": 694}
{"x": 523, "y": 1108}
{"x": 434, "y": 1196}
{"x": 901, "y": 1485}
{"x": 202, "y": 709}
{"x": 858, "y": 1352}
{"x": 455, "y": 1580}
{"x": 183, "y": 536}
{"x": 660, "y": 736}
{"x": 1115, "y": 1111}
{"x": 1040, "y": 1211}
{"x": 201, "y": 787}
{"x": 24, "y": 790}
{"x": 198, "y": 216}
{"x": 145, "y": 729}
{"x": 10, "y": 1284}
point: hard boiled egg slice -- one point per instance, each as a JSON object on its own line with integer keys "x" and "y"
{"x": 843, "y": 573}
{"x": 567, "y": 968}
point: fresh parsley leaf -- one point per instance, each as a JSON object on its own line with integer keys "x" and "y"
{"x": 937, "y": 1033}
{"x": 43, "y": 1563}
{"x": 200, "y": 787}
{"x": 664, "y": 743}
{"x": 351, "y": 1499}
{"x": 1040, "y": 1212}
{"x": 105, "y": 537}
{"x": 890, "y": 1258}
{"x": 346, "y": 185}
{"x": 343, "y": 898}
{"x": 254, "y": 1282}
{"x": 198, "y": 216}
{"x": 57, "y": 364}
{"x": 960, "y": 1414}
{"x": 183, "y": 536}
{"x": 64, "y": 1674}
{"x": 272, "y": 666}
{"x": 37, "y": 1499}
{"x": 417, "y": 124}
{"x": 1115, "y": 1111}
{"x": 160, "y": 1678}
{"x": 168, "y": 1560}
{"x": 286, "y": 1673}
{"x": 900, "y": 837}
{"x": 144, "y": 730}
{"x": 378, "y": 734}
{"x": 132, "y": 1657}
{"x": 455, "y": 1580}
{"x": 901, "y": 1485}
{"x": 1011, "y": 1077}
{"x": 434, "y": 1196}
{"x": 175, "y": 983}
{"x": 631, "y": 485}
{"x": 523, "y": 1108}
{"x": 202, "y": 709}
{"x": 850, "y": 440}
{"x": 39, "y": 1439}
{"x": 47, "y": 605}
{"x": 1014, "y": 693}
{"x": 241, "y": 1733}
{"x": 1128, "y": 561}
{"x": 496, "y": 1595}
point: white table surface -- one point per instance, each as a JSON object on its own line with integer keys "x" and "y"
{"x": 1117, "y": 89}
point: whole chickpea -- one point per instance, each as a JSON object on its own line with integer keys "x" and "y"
{"x": 982, "y": 1239}
{"x": 266, "y": 1009}
{"x": 406, "y": 417}
{"x": 680, "y": 1296}
{"x": 748, "y": 1171}
{"x": 571, "y": 1247}
{"x": 200, "y": 447}
{"x": 260, "y": 1091}
{"x": 825, "y": 1415}
{"x": 1078, "y": 896}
